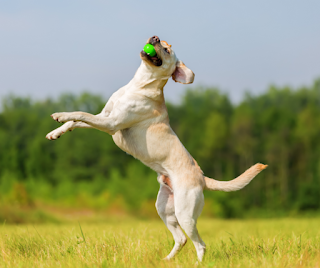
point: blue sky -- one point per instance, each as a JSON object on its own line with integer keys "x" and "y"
{"x": 51, "y": 47}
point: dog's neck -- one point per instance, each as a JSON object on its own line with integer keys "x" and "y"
{"x": 148, "y": 82}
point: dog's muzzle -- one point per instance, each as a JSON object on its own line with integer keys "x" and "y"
{"x": 155, "y": 60}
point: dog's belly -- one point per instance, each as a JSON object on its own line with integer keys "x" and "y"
{"x": 158, "y": 147}
{"x": 151, "y": 145}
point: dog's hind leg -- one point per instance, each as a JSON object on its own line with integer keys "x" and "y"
{"x": 165, "y": 208}
{"x": 188, "y": 206}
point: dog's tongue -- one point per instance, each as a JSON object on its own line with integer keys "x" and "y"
{"x": 154, "y": 58}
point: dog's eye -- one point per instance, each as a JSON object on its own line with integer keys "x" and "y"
{"x": 166, "y": 50}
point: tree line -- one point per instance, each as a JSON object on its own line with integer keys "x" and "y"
{"x": 279, "y": 128}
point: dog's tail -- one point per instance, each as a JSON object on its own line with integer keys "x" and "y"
{"x": 237, "y": 183}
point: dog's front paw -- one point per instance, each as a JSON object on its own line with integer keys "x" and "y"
{"x": 60, "y": 117}
{"x": 55, "y": 134}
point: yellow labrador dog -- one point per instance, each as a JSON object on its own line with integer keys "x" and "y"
{"x": 137, "y": 118}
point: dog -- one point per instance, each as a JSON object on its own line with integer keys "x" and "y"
{"x": 137, "y": 118}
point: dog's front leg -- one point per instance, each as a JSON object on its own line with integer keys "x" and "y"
{"x": 102, "y": 123}
{"x": 69, "y": 126}
{"x": 124, "y": 114}
{"x": 69, "y": 116}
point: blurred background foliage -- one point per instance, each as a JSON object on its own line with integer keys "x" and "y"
{"x": 85, "y": 170}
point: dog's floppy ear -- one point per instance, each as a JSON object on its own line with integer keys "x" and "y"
{"x": 182, "y": 74}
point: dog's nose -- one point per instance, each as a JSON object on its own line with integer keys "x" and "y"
{"x": 154, "y": 39}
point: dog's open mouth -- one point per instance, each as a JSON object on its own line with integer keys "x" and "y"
{"x": 155, "y": 60}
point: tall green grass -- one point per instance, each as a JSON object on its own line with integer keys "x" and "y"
{"x": 136, "y": 243}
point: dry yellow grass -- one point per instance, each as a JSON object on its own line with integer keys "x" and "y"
{"x": 136, "y": 243}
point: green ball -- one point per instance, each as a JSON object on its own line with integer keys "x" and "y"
{"x": 149, "y": 49}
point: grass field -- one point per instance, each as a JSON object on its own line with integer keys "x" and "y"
{"x": 137, "y": 243}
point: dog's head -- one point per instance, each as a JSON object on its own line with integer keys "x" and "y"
{"x": 165, "y": 63}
